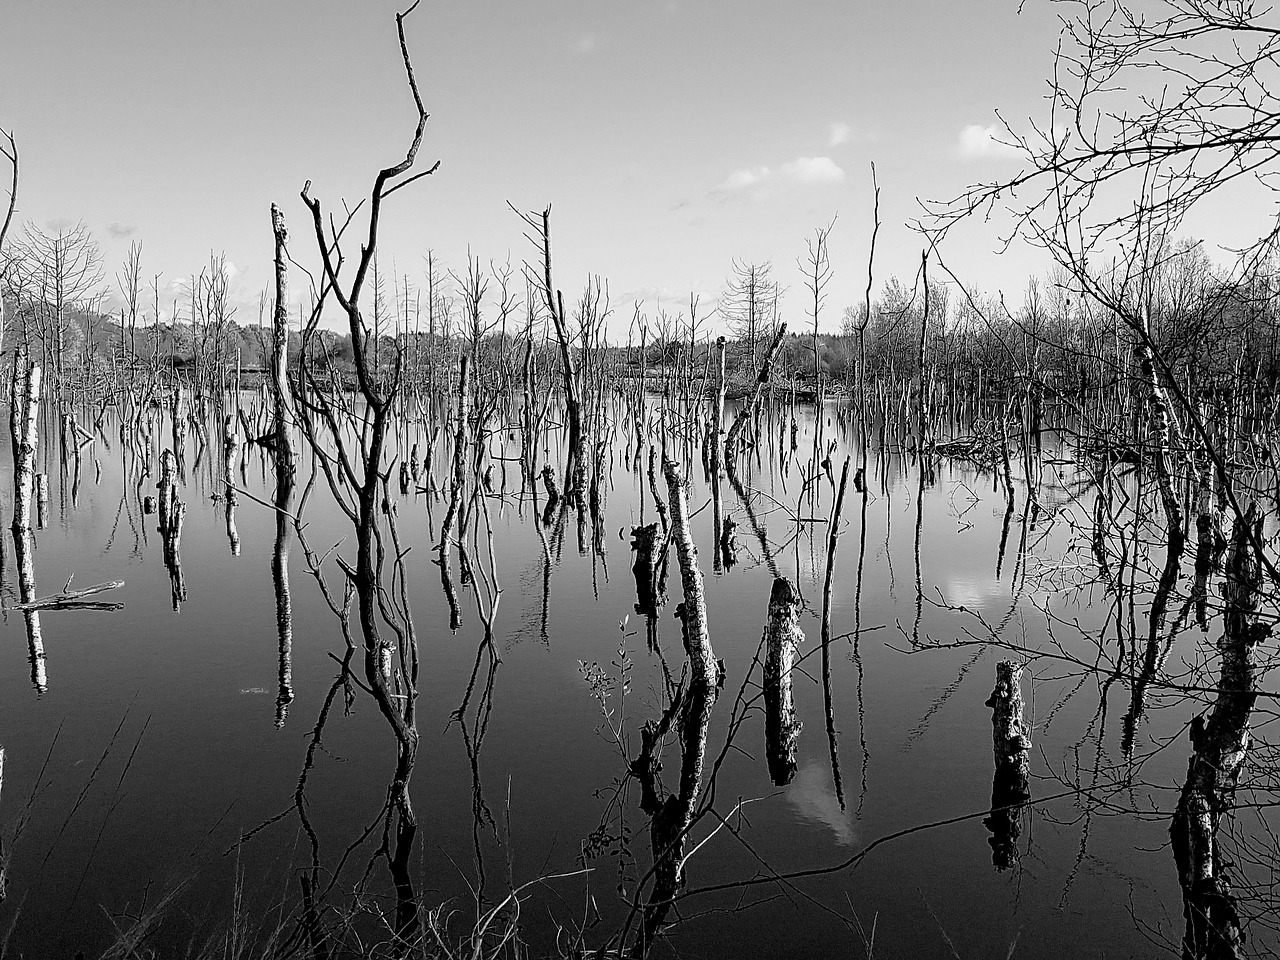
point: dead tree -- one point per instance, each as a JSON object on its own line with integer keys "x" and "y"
{"x": 1221, "y": 746}
{"x": 1011, "y": 741}
{"x": 280, "y": 392}
{"x": 575, "y": 458}
{"x": 355, "y": 474}
{"x": 750, "y": 408}
{"x": 673, "y": 816}
{"x": 10, "y": 153}
{"x": 782, "y": 635}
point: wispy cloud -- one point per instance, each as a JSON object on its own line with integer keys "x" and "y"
{"x": 586, "y": 44}
{"x": 740, "y": 179}
{"x": 121, "y": 230}
{"x": 802, "y": 170}
{"x": 977, "y": 142}
{"x": 838, "y": 132}
{"x": 812, "y": 170}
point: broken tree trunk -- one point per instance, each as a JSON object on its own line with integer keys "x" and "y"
{"x": 782, "y": 634}
{"x": 460, "y": 447}
{"x": 693, "y": 610}
{"x": 230, "y": 444}
{"x": 280, "y": 391}
{"x": 23, "y": 548}
{"x": 1011, "y": 739}
{"x": 1221, "y": 746}
{"x": 749, "y": 409}
{"x": 674, "y": 816}
{"x": 24, "y": 410}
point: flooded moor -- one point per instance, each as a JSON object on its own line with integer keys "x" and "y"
{"x": 209, "y": 764}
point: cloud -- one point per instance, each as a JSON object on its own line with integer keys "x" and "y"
{"x": 838, "y": 132}
{"x": 740, "y": 179}
{"x": 977, "y": 142}
{"x": 586, "y": 44}
{"x": 801, "y": 170}
{"x": 121, "y": 230}
{"x": 812, "y": 170}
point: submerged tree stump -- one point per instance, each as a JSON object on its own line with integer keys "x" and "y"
{"x": 643, "y": 540}
{"x": 782, "y": 635}
{"x": 553, "y": 495}
{"x": 1011, "y": 739}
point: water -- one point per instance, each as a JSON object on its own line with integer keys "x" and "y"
{"x": 155, "y": 760}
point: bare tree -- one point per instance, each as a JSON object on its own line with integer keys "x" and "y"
{"x": 61, "y": 270}
{"x": 129, "y": 282}
{"x": 350, "y": 447}
{"x": 817, "y": 274}
{"x": 749, "y": 304}
{"x": 10, "y": 153}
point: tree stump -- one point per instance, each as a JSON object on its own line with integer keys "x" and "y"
{"x": 1011, "y": 739}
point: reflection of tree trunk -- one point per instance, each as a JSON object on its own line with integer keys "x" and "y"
{"x": 1157, "y": 643}
{"x": 280, "y": 580}
{"x": 450, "y": 594}
{"x": 781, "y": 728}
{"x": 172, "y": 512}
{"x": 1012, "y": 744}
{"x": 833, "y": 534}
{"x": 644, "y": 569}
{"x": 460, "y": 442}
{"x": 716, "y": 455}
{"x": 1221, "y": 746}
{"x": 673, "y": 816}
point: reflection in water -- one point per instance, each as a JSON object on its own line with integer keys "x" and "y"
{"x": 690, "y": 763}
{"x": 280, "y": 581}
{"x": 172, "y": 512}
{"x": 811, "y": 795}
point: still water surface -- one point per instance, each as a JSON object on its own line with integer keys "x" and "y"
{"x": 162, "y": 739}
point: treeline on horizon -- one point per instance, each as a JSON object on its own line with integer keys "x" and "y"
{"x": 1211, "y": 328}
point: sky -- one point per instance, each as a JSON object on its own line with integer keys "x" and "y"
{"x": 669, "y": 138}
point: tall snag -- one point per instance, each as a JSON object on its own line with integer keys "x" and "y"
{"x": 349, "y": 444}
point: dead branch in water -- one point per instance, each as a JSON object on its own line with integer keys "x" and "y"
{"x": 68, "y": 599}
